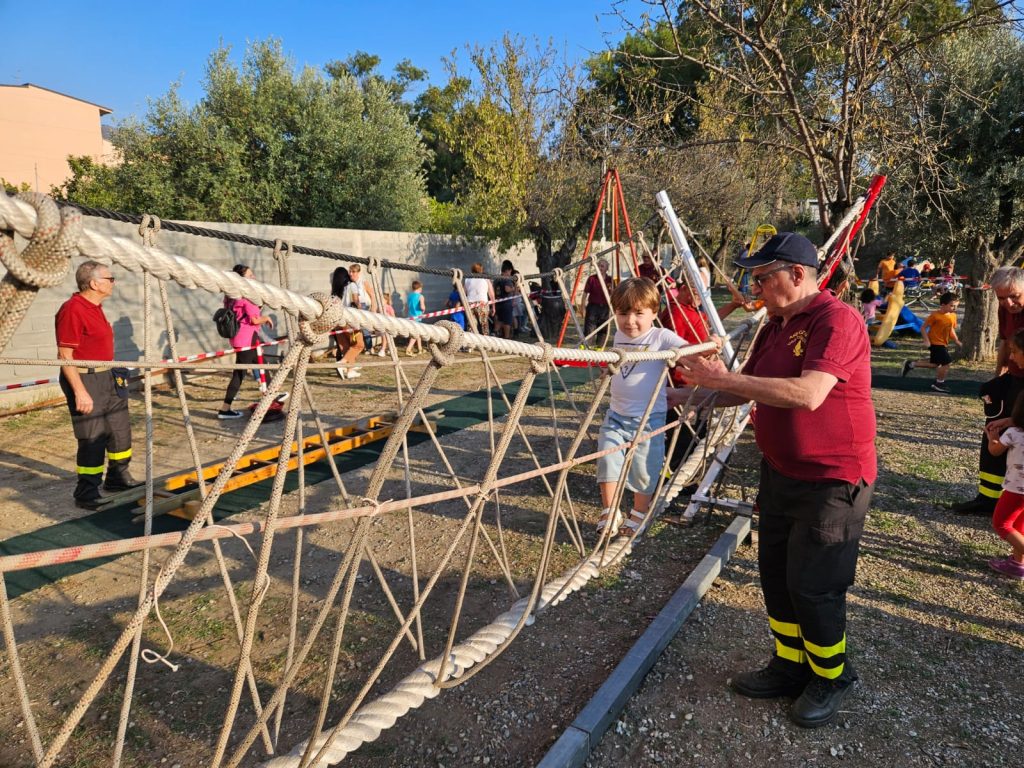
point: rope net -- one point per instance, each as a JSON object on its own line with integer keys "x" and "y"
{"x": 293, "y": 579}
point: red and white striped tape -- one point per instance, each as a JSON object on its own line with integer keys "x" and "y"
{"x": 182, "y": 359}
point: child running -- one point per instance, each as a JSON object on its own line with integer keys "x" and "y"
{"x": 635, "y": 302}
{"x": 415, "y": 304}
{"x": 938, "y": 330}
{"x": 1008, "y": 518}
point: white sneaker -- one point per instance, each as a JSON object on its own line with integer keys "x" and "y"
{"x": 342, "y": 372}
{"x": 382, "y": 353}
{"x": 354, "y": 373}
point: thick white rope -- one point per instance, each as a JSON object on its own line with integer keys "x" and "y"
{"x": 128, "y": 254}
{"x": 380, "y": 714}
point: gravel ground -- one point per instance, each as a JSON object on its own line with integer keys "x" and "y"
{"x": 936, "y": 637}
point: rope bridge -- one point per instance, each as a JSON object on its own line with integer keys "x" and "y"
{"x": 254, "y": 705}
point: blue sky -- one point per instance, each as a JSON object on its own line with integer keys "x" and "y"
{"x": 118, "y": 54}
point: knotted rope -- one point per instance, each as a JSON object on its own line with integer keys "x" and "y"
{"x": 43, "y": 263}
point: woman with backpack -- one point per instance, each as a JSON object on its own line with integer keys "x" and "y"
{"x": 249, "y": 319}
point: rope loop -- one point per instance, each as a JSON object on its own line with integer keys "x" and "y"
{"x": 557, "y": 274}
{"x": 148, "y": 229}
{"x": 443, "y": 354}
{"x": 613, "y": 368}
{"x": 282, "y": 250}
{"x": 457, "y": 276}
{"x": 543, "y": 363}
{"x": 315, "y": 331}
{"x": 44, "y": 262}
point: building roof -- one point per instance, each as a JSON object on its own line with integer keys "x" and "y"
{"x": 103, "y": 110}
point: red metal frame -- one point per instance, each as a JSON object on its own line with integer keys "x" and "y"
{"x": 611, "y": 185}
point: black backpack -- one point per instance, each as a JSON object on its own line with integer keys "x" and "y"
{"x": 227, "y": 322}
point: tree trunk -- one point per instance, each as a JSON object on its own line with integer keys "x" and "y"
{"x": 980, "y": 328}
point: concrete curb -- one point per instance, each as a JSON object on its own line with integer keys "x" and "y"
{"x": 575, "y": 744}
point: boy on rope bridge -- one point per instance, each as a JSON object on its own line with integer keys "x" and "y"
{"x": 938, "y": 330}
{"x": 635, "y": 303}
{"x": 809, "y": 372}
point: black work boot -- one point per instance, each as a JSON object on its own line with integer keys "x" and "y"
{"x": 772, "y": 681}
{"x": 119, "y": 478}
{"x": 979, "y": 505}
{"x": 819, "y": 704}
{"x": 87, "y": 492}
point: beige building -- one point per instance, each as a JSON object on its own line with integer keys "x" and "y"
{"x": 39, "y": 128}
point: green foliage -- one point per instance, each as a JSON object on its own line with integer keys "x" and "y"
{"x": 267, "y": 145}
{"x": 972, "y": 182}
{"x": 642, "y": 79}
{"x": 434, "y": 113}
{"x": 13, "y": 188}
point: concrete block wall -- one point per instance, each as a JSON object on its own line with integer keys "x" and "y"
{"x": 192, "y": 310}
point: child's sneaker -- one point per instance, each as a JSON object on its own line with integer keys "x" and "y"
{"x": 1008, "y": 567}
{"x": 940, "y": 387}
{"x": 229, "y": 414}
{"x": 908, "y": 366}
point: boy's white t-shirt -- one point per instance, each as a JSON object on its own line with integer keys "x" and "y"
{"x": 1013, "y": 438}
{"x": 632, "y": 385}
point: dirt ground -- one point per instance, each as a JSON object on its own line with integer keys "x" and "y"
{"x": 937, "y": 639}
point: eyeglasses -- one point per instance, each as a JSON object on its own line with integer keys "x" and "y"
{"x": 760, "y": 280}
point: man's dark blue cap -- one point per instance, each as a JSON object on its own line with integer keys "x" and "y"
{"x": 785, "y": 246}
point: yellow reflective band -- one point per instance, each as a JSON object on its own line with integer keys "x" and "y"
{"x": 119, "y": 455}
{"x": 990, "y": 478}
{"x": 826, "y": 652}
{"x": 991, "y": 493}
{"x": 784, "y": 627}
{"x": 790, "y": 654}
{"x": 90, "y": 470}
{"x": 829, "y": 673}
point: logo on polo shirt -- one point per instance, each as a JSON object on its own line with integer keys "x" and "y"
{"x": 798, "y": 341}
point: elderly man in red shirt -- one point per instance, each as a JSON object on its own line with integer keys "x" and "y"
{"x": 809, "y": 373}
{"x": 97, "y": 397}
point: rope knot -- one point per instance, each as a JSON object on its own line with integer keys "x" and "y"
{"x": 148, "y": 229}
{"x": 315, "y": 331}
{"x": 443, "y": 354}
{"x": 557, "y": 273}
{"x": 613, "y": 368}
{"x": 457, "y": 275}
{"x": 282, "y": 250}
{"x": 544, "y": 362}
{"x": 45, "y": 260}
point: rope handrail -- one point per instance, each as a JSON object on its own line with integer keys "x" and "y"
{"x": 128, "y": 254}
{"x": 259, "y": 242}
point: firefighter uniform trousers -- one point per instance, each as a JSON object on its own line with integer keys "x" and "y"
{"x": 808, "y": 542}
{"x": 998, "y": 397}
{"x": 105, "y": 430}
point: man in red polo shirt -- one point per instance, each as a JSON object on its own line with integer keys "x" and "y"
{"x": 999, "y": 394}
{"x": 810, "y": 374}
{"x": 97, "y": 397}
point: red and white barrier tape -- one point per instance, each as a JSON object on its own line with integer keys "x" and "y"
{"x": 182, "y": 359}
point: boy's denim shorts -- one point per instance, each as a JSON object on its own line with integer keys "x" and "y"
{"x": 648, "y": 461}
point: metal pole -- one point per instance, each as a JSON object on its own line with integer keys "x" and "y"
{"x": 690, "y": 264}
